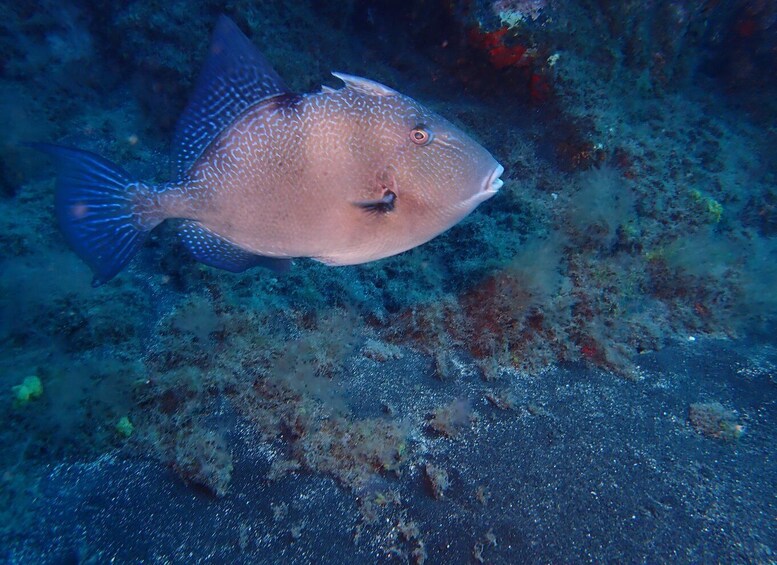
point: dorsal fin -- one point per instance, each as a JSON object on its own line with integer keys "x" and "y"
{"x": 235, "y": 77}
{"x": 365, "y": 85}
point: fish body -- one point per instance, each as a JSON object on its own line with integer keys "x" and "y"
{"x": 343, "y": 176}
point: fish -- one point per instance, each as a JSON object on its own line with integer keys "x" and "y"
{"x": 263, "y": 175}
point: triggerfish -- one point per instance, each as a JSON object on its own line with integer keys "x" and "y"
{"x": 263, "y": 175}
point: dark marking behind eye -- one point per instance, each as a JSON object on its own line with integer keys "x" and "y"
{"x": 380, "y": 206}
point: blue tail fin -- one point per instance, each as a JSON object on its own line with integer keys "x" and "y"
{"x": 94, "y": 201}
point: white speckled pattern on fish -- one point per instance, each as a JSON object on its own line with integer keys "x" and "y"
{"x": 343, "y": 176}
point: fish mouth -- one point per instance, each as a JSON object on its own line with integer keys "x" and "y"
{"x": 490, "y": 187}
{"x": 494, "y": 183}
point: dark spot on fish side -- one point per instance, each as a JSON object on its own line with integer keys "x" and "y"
{"x": 381, "y": 206}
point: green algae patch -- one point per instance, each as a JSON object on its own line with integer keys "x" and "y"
{"x": 124, "y": 427}
{"x": 30, "y": 389}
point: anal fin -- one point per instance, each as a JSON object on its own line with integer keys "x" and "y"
{"x": 213, "y": 250}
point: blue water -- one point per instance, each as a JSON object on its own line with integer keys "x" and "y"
{"x": 582, "y": 370}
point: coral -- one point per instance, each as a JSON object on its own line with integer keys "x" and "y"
{"x": 451, "y": 419}
{"x": 489, "y": 540}
{"x": 279, "y": 468}
{"x": 506, "y": 35}
{"x": 713, "y": 420}
{"x": 514, "y": 12}
{"x": 482, "y": 494}
{"x": 500, "y": 55}
{"x": 202, "y": 457}
{"x": 380, "y": 351}
{"x": 444, "y": 365}
{"x": 504, "y": 401}
{"x": 437, "y": 479}
{"x": 408, "y": 544}
{"x": 352, "y": 451}
{"x": 295, "y": 396}
{"x": 516, "y": 316}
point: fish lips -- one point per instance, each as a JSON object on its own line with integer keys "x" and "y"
{"x": 494, "y": 183}
{"x": 490, "y": 186}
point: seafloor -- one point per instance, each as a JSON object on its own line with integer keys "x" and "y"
{"x": 583, "y": 370}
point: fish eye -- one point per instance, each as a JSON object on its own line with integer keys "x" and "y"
{"x": 420, "y": 136}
